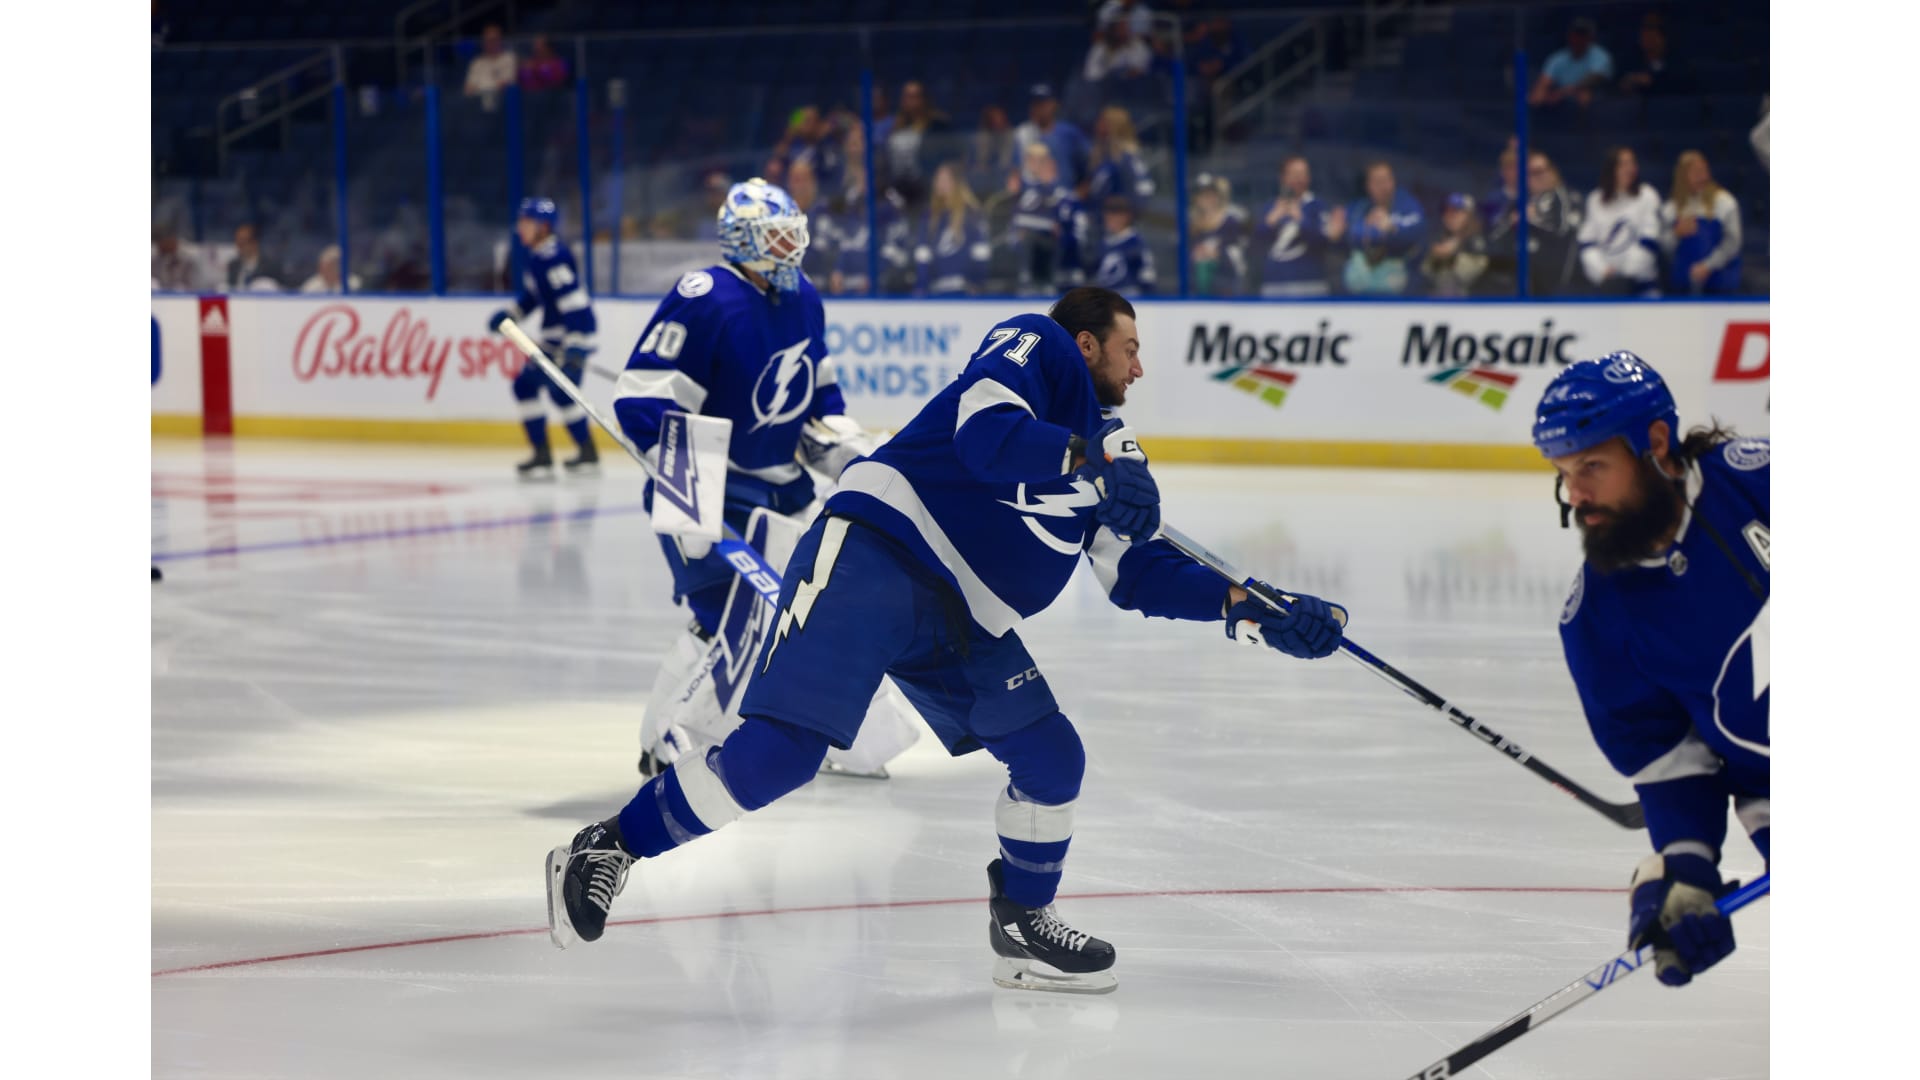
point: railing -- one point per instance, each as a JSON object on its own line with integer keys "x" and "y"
{"x": 1288, "y": 62}
{"x": 252, "y": 115}
{"x": 405, "y": 44}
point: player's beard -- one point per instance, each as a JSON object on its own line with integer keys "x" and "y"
{"x": 1109, "y": 390}
{"x": 1629, "y": 531}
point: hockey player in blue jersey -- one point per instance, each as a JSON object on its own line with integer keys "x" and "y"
{"x": 1666, "y": 633}
{"x": 552, "y": 285}
{"x": 930, "y": 553}
{"x": 744, "y": 340}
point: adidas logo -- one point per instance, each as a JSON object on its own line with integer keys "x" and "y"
{"x": 1012, "y": 930}
{"x": 214, "y": 323}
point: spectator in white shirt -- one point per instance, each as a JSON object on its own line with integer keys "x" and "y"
{"x": 1118, "y": 54}
{"x": 493, "y": 70}
{"x": 326, "y": 278}
{"x": 1620, "y": 237}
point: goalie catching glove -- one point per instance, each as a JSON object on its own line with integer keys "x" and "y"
{"x": 828, "y": 444}
{"x": 1129, "y": 499}
{"x": 1310, "y": 628}
{"x": 1673, "y": 911}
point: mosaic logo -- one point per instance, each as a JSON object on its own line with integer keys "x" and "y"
{"x": 1492, "y": 388}
{"x": 1270, "y": 385}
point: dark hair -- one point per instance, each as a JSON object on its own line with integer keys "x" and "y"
{"x": 1090, "y": 308}
{"x": 1610, "y": 173}
{"x": 1701, "y": 440}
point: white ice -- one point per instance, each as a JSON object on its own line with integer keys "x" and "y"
{"x": 387, "y": 680}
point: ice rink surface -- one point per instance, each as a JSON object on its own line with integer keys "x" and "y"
{"x": 387, "y": 680}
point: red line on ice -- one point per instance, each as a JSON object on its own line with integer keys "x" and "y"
{"x": 886, "y": 905}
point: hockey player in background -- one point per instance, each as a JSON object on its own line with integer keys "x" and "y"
{"x": 744, "y": 340}
{"x": 551, "y": 284}
{"x": 1666, "y": 633}
{"x": 929, "y": 553}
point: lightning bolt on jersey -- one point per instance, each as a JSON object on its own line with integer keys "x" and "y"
{"x": 1126, "y": 264}
{"x": 1294, "y": 248}
{"x": 1124, "y": 174}
{"x": 551, "y": 285}
{"x": 952, "y": 262}
{"x": 1670, "y": 658}
{"x": 843, "y": 240}
{"x": 980, "y": 489}
{"x": 718, "y": 346}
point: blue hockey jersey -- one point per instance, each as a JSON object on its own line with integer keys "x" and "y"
{"x": 1670, "y": 658}
{"x": 551, "y": 285}
{"x": 980, "y": 488}
{"x": 1295, "y": 250}
{"x": 1123, "y": 175}
{"x": 1051, "y": 210}
{"x": 1126, "y": 264}
{"x": 951, "y": 262}
{"x": 719, "y": 346}
{"x": 843, "y": 241}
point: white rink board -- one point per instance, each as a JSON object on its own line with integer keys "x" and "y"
{"x": 177, "y": 393}
{"x": 1340, "y": 372}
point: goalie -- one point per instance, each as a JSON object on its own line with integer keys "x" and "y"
{"x": 745, "y": 341}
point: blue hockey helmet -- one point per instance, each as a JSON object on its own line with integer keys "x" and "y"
{"x": 1616, "y": 395}
{"x": 541, "y": 210}
{"x": 762, "y": 229}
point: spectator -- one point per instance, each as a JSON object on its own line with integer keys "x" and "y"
{"x": 952, "y": 255}
{"x": 176, "y": 269}
{"x": 805, "y": 189}
{"x": 1573, "y": 73}
{"x": 913, "y": 144}
{"x": 1047, "y": 226}
{"x": 1217, "y": 231}
{"x": 1654, "y": 75}
{"x": 713, "y": 194}
{"x": 1761, "y": 137}
{"x": 1700, "y": 231}
{"x": 1553, "y": 223}
{"x": 1066, "y": 144}
{"x": 1137, "y": 17}
{"x": 1214, "y": 50}
{"x": 1126, "y": 265}
{"x": 1295, "y": 235}
{"x": 1118, "y": 54}
{"x": 844, "y": 239}
{"x": 247, "y": 271}
{"x": 1457, "y": 260}
{"x": 990, "y": 152}
{"x": 493, "y": 70}
{"x": 326, "y": 275}
{"x": 1388, "y": 228}
{"x": 1117, "y": 168}
{"x": 544, "y": 70}
{"x": 882, "y": 116}
{"x": 1619, "y": 239}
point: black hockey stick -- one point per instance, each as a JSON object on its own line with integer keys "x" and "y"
{"x": 1572, "y": 994}
{"x": 1626, "y": 815}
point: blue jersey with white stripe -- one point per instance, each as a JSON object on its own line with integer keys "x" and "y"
{"x": 551, "y": 284}
{"x": 719, "y": 346}
{"x": 1670, "y": 658}
{"x": 952, "y": 262}
{"x": 1126, "y": 264}
{"x": 980, "y": 488}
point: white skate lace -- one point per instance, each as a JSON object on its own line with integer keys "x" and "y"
{"x": 609, "y": 876}
{"x": 1047, "y": 924}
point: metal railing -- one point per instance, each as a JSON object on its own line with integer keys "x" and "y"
{"x": 1294, "y": 59}
{"x": 272, "y": 100}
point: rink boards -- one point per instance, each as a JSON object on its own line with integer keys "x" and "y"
{"x": 1443, "y": 384}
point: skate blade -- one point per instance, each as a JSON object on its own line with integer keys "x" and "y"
{"x": 542, "y": 475}
{"x": 591, "y": 468}
{"x": 1033, "y": 975}
{"x": 559, "y": 927}
{"x": 828, "y": 768}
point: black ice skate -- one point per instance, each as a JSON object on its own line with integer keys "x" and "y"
{"x": 537, "y": 467}
{"x": 582, "y": 879}
{"x": 1040, "y": 952}
{"x": 584, "y": 463}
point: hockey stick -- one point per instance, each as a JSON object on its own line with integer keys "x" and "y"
{"x": 731, "y": 546}
{"x": 1572, "y": 994}
{"x": 1626, "y": 815}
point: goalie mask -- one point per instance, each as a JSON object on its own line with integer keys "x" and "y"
{"x": 762, "y": 229}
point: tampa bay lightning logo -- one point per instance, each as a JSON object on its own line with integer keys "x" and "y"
{"x": 1748, "y": 454}
{"x": 785, "y": 387}
{"x": 695, "y": 285}
{"x": 1742, "y": 693}
{"x": 1572, "y": 606}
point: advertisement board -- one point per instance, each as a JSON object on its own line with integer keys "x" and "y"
{"x": 1386, "y": 383}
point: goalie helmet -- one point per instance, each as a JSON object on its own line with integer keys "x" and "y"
{"x": 1615, "y": 396}
{"x": 762, "y": 229}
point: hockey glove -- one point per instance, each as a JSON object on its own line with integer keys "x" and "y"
{"x": 1310, "y": 628}
{"x": 828, "y": 444}
{"x": 1129, "y": 499}
{"x": 1673, "y": 911}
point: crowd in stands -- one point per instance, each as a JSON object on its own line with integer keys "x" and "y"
{"x": 1056, "y": 189}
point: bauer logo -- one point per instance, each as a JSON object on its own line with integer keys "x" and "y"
{"x": 1268, "y": 385}
{"x": 1489, "y": 388}
{"x": 1222, "y": 344}
{"x": 1441, "y": 344}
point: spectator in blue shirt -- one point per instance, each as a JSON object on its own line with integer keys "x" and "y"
{"x": 1066, "y": 144}
{"x": 1387, "y": 228}
{"x": 1573, "y": 73}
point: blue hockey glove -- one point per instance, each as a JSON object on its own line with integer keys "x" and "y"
{"x": 574, "y": 358}
{"x": 1673, "y": 911}
{"x": 493, "y": 324}
{"x": 1309, "y": 629}
{"x": 1129, "y": 499}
